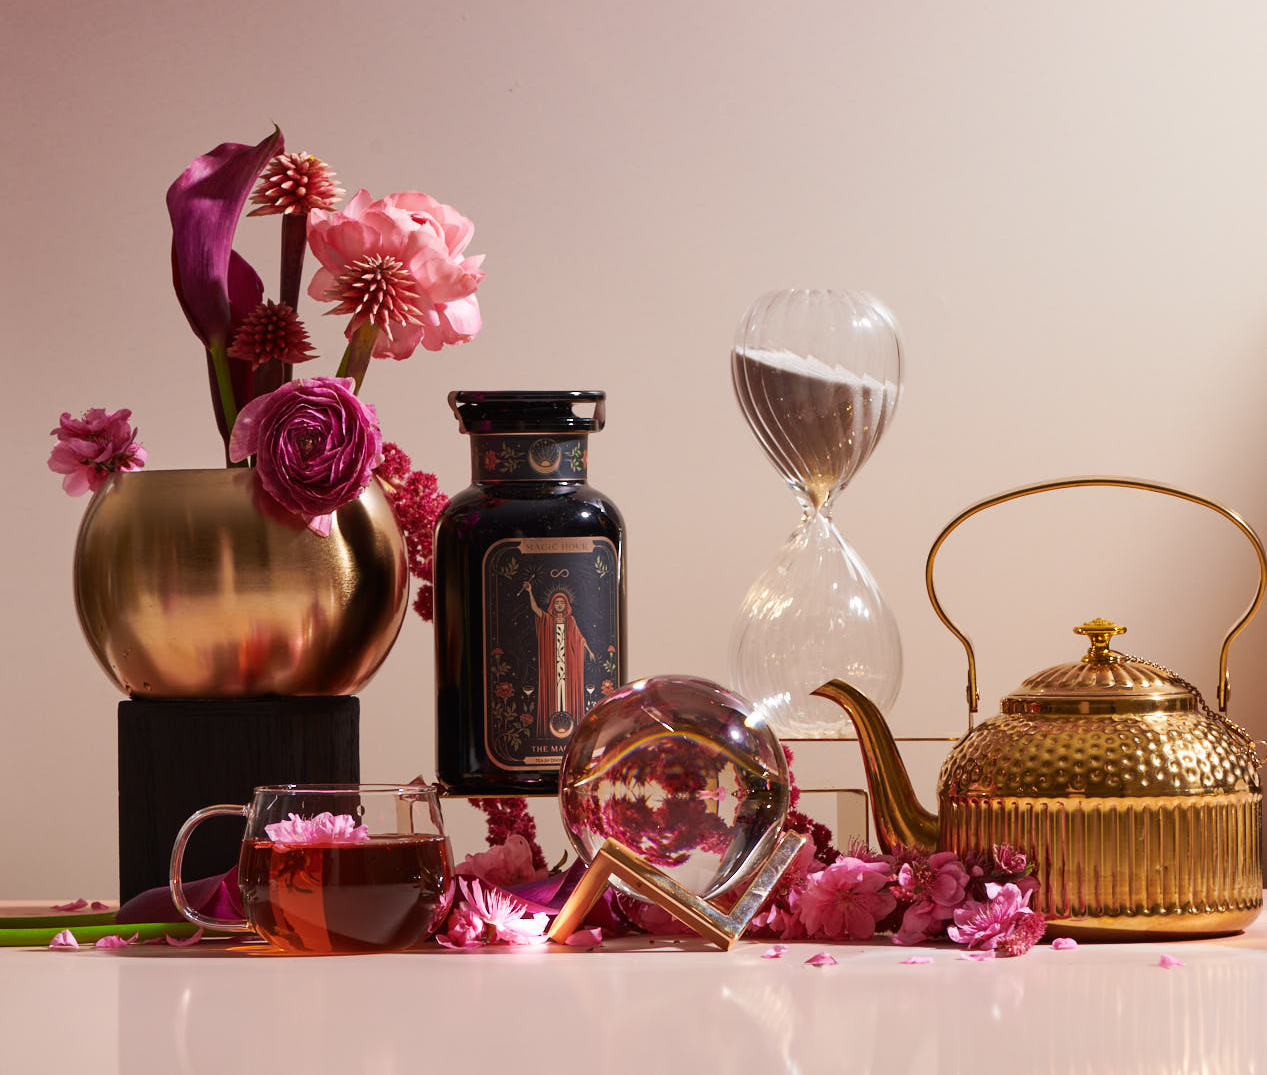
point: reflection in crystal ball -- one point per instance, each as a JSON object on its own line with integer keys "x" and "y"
{"x": 684, "y": 773}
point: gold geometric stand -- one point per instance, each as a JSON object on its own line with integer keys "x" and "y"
{"x": 721, "y": 928}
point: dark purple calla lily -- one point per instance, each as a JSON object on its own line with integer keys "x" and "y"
{"x": 216, "y": 287}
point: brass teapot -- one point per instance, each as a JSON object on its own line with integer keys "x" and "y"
{"x": 1139, "y": 806}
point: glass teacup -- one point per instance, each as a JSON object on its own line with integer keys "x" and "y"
{"x": 335, "y": 868}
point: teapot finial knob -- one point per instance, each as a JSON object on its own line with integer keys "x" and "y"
{"x": 1100, "y": 631}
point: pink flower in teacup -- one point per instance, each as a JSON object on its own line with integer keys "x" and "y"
{"x": 325, "y": 830}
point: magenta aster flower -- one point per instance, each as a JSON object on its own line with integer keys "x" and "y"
{"x": 90, "y": 447}
{"x": 1003, "y": 915}
{"x": 846, "y": 899}
{"x": 315, "y": 444}
{"x": 295, "y": 183}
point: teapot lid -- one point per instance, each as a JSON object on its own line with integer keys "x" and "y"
{"x": 1103, "y": 681}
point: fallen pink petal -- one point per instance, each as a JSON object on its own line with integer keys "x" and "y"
{"x": 65, "y": 939}
{"x": 183, "y": 942}
{"x": 114, "y": 940}
{"x": 1169, "y": 961}
{"x": 820, "y": 960}
{"x": 97, "y": 905}
{"x": 918, "y": 959}
{"x": 1063, "y": 944}
{"x": 977, "y": 957}
{"x": 775, "y": 951}
{"x": 585, "y": 938}
{"x": 74, "y": 905}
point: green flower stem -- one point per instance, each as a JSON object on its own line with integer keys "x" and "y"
{"x": 356, "y": 359}
{"x": 85, "y": 935}
{"x": 228, "y": 405}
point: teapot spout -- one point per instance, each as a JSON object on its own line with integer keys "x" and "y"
{"x": 899, "y": 817}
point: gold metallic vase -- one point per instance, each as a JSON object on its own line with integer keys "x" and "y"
{"x": 193, "y": 584}
{"x": 1139, "y": 805}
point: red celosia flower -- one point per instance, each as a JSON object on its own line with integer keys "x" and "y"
{"x": 295, "y": 183}
{"x": 416, "y": 502}
{"x": 271, "y": 331}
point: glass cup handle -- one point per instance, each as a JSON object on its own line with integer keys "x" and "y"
{"x": 178, "y": 889}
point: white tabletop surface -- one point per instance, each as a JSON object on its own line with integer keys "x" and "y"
{"x": 636, "y": 1005}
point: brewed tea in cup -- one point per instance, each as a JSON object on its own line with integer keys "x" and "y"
{"x": 335, "y": 868}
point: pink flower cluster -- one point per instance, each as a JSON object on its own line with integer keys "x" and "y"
{"x": 416, "y": 502}
{"x": 93, "y": 446}
{"x": 325, "y": 830}
{"x": 915, "y": 895}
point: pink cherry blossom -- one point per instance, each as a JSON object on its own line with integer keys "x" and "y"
{"x": 933, "y": 886}
{"x": 775, "y": 951}
{"x": 398, "y": 263}
{"x": 505, "y": 865}
{"x": 1004, "y": 915}
{"x": 65, "y": 940}
{"x": 1170, "y": 962}
{"x": 325, "y": 829}
{"x": 93, "y": 446}
{"x": 1063, "y": 944}
{"x": 822, "y": 959}
{"x": 846, "y": 900}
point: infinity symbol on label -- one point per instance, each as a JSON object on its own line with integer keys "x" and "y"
{"x": 559, "y": 573}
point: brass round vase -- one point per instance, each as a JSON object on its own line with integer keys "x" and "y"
{"x": 194, "y": 584}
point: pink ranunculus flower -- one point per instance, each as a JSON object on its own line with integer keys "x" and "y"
{"x": 1004, "y": 915}
{"x": 315, "y": 445}
{"x": 325, "y": 829}
{"x": 846, "y": 899}
{"x": 399, "y": 263}
{"x": 505, "y": 865}
{"x": 88, "y": 448}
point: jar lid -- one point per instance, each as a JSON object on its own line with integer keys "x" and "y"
{"x": 1103, "y": 681}
{"x": 527, "y": 411}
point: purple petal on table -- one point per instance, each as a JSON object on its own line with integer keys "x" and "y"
{"x": 205, "y": 203}
{"x": 822, "y": 959}
{"x": 215, "y": 897}
{"x": 550, "y": 893}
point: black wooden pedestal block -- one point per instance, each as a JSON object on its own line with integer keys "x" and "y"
{"x": 175, "y": 757}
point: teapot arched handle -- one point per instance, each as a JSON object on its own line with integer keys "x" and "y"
{"x": 1074, "y": 483}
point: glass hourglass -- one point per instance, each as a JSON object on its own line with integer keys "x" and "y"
{"x": 817, "y": 375}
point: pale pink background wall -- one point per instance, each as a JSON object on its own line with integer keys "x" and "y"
{"x": 1063, "y": 205}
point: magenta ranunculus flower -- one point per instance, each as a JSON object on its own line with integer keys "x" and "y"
{"x": 398, "y": 263}
{"x": 89, "y": 448}
{"x": 315, "y": 445}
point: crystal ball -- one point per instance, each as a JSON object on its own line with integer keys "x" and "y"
{"x": 681, "y": 771}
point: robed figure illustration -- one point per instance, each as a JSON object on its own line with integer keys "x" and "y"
{"x": 561, "y": 651}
